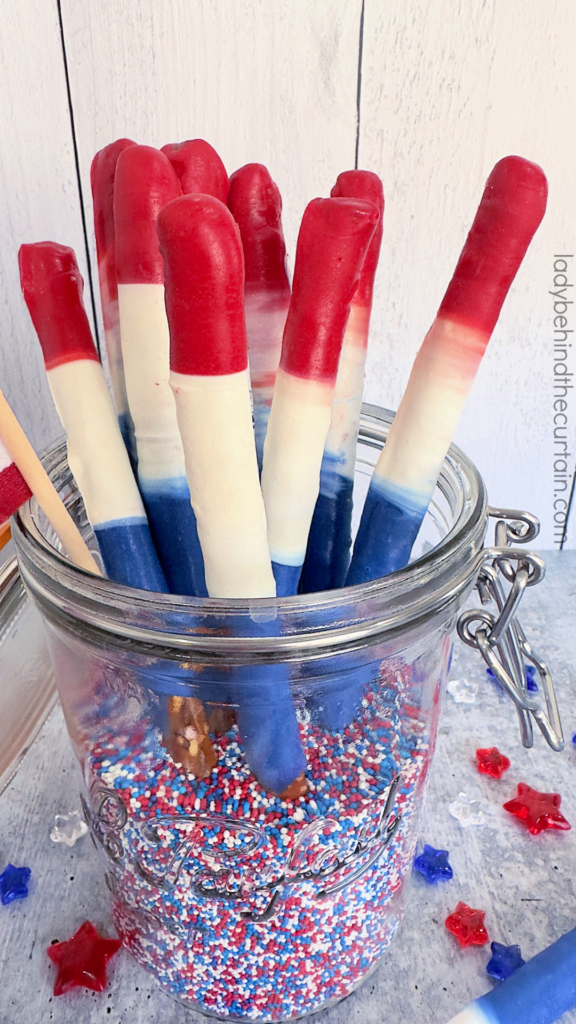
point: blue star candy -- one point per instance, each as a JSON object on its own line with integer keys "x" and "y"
{"x": 530, "y": 673}
{"x": 433, "y": 864}
{"x": 505, "y": 961}
{"x": 14, "y": 884}
{"x": 531, "y": 684}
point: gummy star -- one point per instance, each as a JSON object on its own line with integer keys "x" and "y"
{"x": 531, "y": 684}
{"x": 14, "y": 883}
{"x": 492, "y": 762}
{"x": 462, "y": 691}
{"x": 433, "y": 864}
{"x": 82, "y": 960}
{"x": 505, "y": 961}
{"x": 68, "y": 828}
{"x": 529, "y": 674}
{"x": 467, "y": 812}
{"x": 537, "y": 811}
{"x": 467, "y": 925}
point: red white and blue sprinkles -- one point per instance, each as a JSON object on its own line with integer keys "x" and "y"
{"x": 243, "y": 904}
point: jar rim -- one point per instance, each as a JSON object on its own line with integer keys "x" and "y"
{"x": 309, "y": 623}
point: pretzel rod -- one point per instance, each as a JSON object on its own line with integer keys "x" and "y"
{"x": 26, "y": 460}
{"x": 256, "y": 206}
{"x": 538, "y": 993}
{"x": 102, "y": 176}
{"x": 145, "y": 182}
{"x": 209, "y": 376}
{"x": 204, "y": 270}
{"x": 332, "y": 244}
{"x": 330, "y": 537}
{"x": 511, "y": 208}
{"x": 52, "y": 287}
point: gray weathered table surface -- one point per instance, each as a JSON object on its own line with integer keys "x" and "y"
{"x": 526, "y": 884}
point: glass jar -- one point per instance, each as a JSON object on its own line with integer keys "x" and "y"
{"x": 242, "y": 903}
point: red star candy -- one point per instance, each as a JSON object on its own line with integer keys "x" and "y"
{"x": 82, "y": 960}
{"x": 538, "y": 811}
{"x": 467, "y": 925}
{"x": 492, "y": 762}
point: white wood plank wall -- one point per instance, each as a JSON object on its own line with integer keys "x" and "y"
{"x": 447, "y": 88}
{"x": 38, "y": 194}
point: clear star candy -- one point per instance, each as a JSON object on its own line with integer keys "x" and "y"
{"x": 463, "y": 691}
{"x": 467, "y": 812}
{"x": 68, "y": 828}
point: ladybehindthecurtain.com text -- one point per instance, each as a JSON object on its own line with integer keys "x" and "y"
{"x": 563, "y": 383}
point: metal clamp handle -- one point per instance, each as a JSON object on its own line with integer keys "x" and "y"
{"x": 501, "y": 639}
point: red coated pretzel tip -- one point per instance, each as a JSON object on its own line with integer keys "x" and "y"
{"x": 102, "y": 174}
{"x": 204, "y": 267}
{"x": 364, "y": 185}
{"x": 145, "y": 181}
{"x": 52, "y": 287}
{"x": 511, "y": 208}
{"x": 199, "y": 168}
{"x": 256, "y": 206}
{"x": 332, "y": 244}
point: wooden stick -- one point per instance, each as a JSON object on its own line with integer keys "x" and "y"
{"x": 26, "y": 460}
